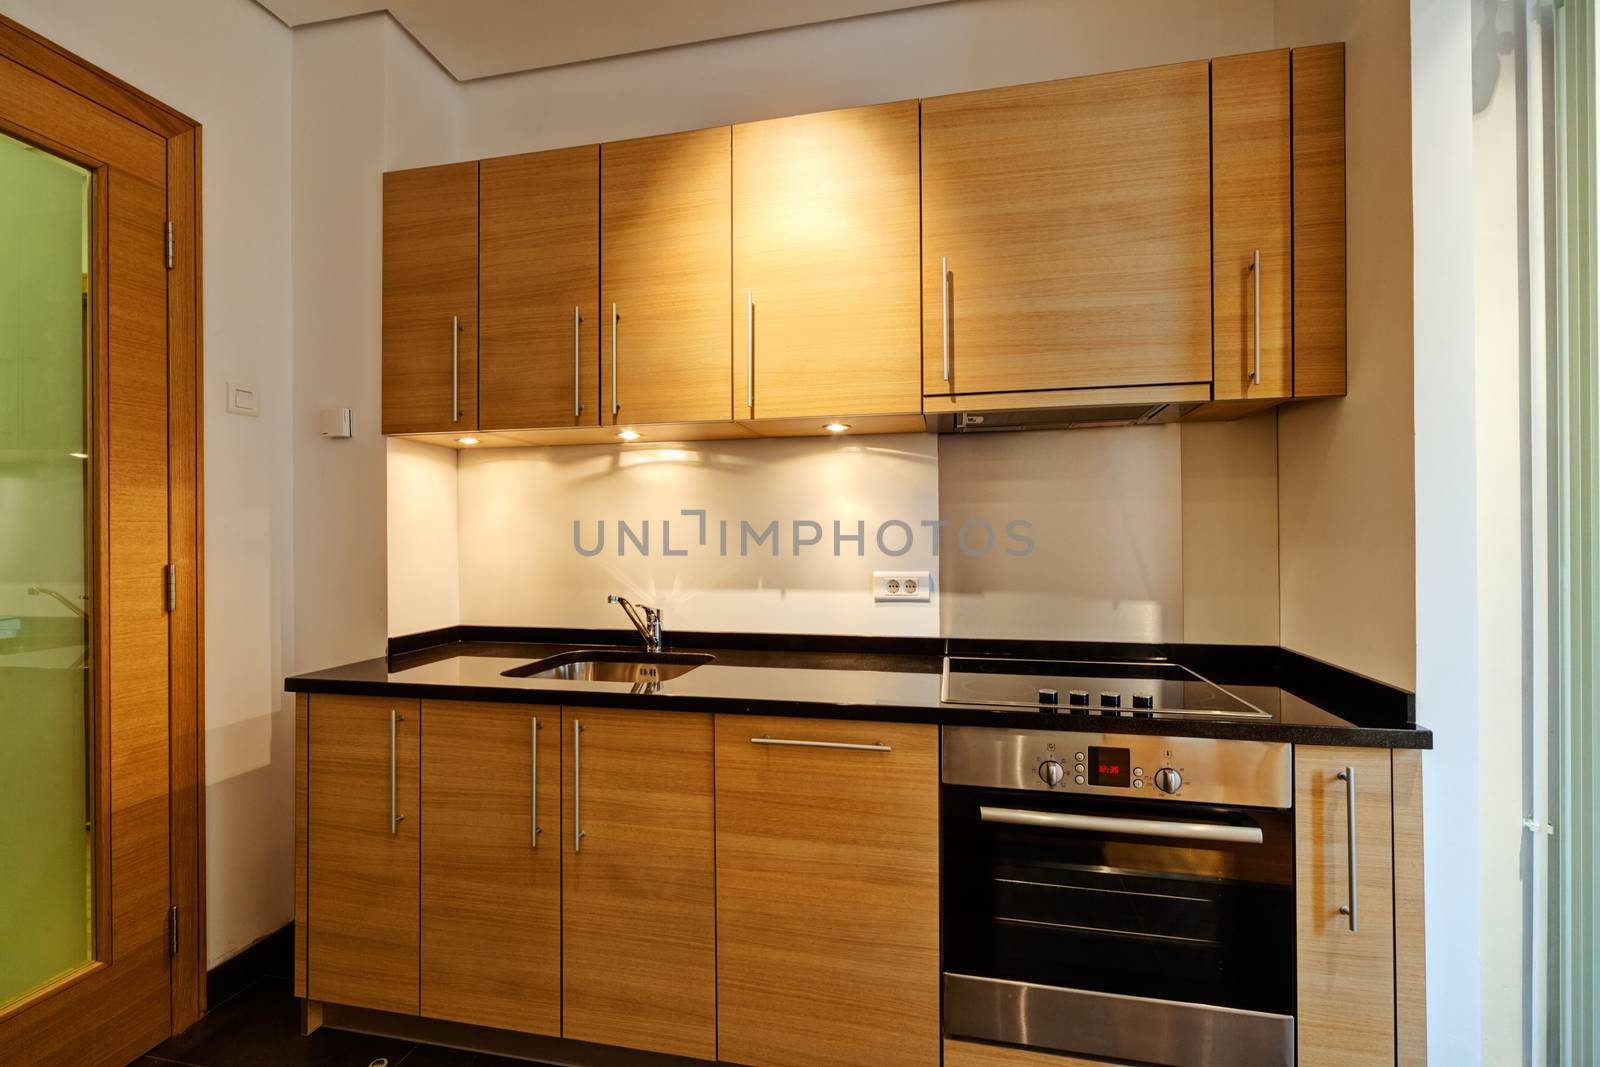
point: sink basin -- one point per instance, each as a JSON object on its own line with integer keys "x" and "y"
{"x": 597, "y": 665}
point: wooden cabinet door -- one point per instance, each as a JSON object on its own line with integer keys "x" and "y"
{"x": 1317, "y": 74}
{"x": 1251, "y": 207}
{"x": 1075, "y": 220}
{"x": 1345, "y": 983}
{"x": 362, "y": 851}
{"x": 430, "y": 299}
{"x": 827, "y": 893}
{"x": 539, "y": 285}
{"x": 826, "y": 238}
{"x": 638, "y": 907}
{"x": 665, "y": 263}
{"x": 491, "y": 865}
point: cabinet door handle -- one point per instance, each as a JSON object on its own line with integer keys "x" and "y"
{"x": 875, "y": 747}
{"x": 577, "y": 361}
{"x": 944, "y": 310}
{"x": 395, "y": 818}
{"x": 750, "y": 350}
{"x": 577, "y": 786}
{"x": 1255, "y": 315}
{"x": 455, "y": 368}
{"x": 615, "y": 407}
{"x": 533, "y": 784}
{"x": 1348, "y": 776}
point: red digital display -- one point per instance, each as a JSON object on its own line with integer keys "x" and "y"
{"x": 1108, "y": 766}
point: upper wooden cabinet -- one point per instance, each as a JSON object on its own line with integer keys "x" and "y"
{"x": 1066, "y": 234}
{"x": 1317, "y": 86}
{"x": 665, "y": 263}
{"x": 825, "y": 262}
{"x": 827, "y": 893}
{"x": 430, "y": 299}
{"x": 491, "y": 865}
{"x": 638, "y": 904}
{"x": 539, "y": 290}
{"x": 362, "y": 830}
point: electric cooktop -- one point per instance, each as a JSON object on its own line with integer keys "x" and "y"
{"x": 1148, "y": 690}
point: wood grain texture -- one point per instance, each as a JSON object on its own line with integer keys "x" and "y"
{"x": 302, "y": 749}
{"x": 491, "y": 898}
{"x": 1411, "y": 993}
{"x": 666, "y": 262}
{"x": 1076, "y": 218}
{"x": 1346, "y": 980}
{"x": 638, "y": 902}
{"x": 362, "y": 879}
{"x": 1317, "y": 76}
{"x": 430, "y": 274}
{"x": 827, "y": 894}
{"x": 539, "y": 261}
{"x": 826, "y": 243}
{"x": 1250, "y": 212}
{"x": 972, "y": 1054}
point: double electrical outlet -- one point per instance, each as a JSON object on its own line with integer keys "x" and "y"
{"x": 900, "y": 585}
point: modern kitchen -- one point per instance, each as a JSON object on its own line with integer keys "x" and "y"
{"x": 820, "y": 534}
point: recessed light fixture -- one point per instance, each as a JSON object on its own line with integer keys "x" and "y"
{"x": 466, "y": 440}
{"x": 629, "y": 435}
{"x": 837, "y": 427}
{"x": 78, "y": 455}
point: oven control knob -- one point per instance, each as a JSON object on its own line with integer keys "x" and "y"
{"x": 1168, "y": 780}
{"x": 1051, "y": 773}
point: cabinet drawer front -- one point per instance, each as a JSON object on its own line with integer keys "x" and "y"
{"x": 1074, "y": 218}
{"x": 362, "y": 852}
{"x": 827, "y": 892}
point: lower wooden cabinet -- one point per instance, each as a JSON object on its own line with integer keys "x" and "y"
{"x": 827, "y": 892}
{"x": 973, "y": 1054}
{"x": 491, "y": 865}
{"x": 638, "y": 904}
{"x": 362, "y": 836}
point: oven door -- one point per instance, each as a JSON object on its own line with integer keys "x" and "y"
{"x": 1140, "y": 931}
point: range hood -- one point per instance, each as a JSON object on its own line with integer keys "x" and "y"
{"x": 1062, "y": 410}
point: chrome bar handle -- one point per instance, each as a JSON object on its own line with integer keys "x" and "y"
{"x": 395, "y": 818}
{"x": 1255, "y": 277}
{"x": 1111, "y": 824}
{"x": 1348, "y": 776}
{"x": 750, "y": 350}
{"x": 876, "y": 747}
{"x": 615, "y": 407}
{"x": 577, "y": 361}
{"x": 577, "y": 781}
{"x": 533, "y": 784}
{"x": 455, "y": 368}
{"x": 944, "y": 314}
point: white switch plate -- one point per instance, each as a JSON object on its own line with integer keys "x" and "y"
{"x": 242, "y": 400}
{"x": 900, "y": 585}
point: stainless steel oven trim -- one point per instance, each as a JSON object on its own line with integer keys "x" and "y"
{"x": 1112, "y": 1026}
{"x": 1171, "y": 713}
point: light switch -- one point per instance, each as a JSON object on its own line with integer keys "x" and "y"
{"x": 336, "y": 422}
{"x": 242, "y": 400}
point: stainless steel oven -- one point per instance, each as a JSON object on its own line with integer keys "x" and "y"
{"x": 1120, "y": 896}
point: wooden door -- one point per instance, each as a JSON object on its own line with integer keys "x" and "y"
{"x": 826, "y": 240}
{"x": 1346, "y": 976}
{"x": 1317, "y": 74}
{"x": 539, "y": 289}
{"x": 638, "y": 907}
{"x": 1074, "y": 217}
{"x": 430, "y": 299}
{"x": 491, "y": 865}
{"x": 135, "y": 347}
{"x": 665, "y": 263}
{"x": 827, "y": 893}
{"x": 363, "y": 829}
{"x": 1251, "y": 216}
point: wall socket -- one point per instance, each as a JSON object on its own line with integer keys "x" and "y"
{"x": 900, "y": 585}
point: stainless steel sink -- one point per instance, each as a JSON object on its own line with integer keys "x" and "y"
{"x": 607, "y": 665}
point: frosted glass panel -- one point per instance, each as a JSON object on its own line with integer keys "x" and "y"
{"x": 46, "y": 788}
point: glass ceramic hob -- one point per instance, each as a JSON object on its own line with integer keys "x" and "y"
{"x": 1104, "y": 688}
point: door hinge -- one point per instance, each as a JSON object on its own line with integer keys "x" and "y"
{"x": 169, "y": 245}
{"x": 172, "y": 930}
{"x": 170, "y": 574}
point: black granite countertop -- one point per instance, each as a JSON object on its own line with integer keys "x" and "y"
{"x": 877, "y": 679}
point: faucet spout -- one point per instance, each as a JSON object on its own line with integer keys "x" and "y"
{"x": 646, "y": 620}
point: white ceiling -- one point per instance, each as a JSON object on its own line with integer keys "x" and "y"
{"x": 480, "y": 38}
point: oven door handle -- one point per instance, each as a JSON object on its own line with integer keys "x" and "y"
{"x": 1061, "y": 820}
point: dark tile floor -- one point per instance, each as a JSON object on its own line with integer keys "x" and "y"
{"x": 259, "y": 1026}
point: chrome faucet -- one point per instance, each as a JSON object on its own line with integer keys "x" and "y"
{"x": 649, "y": 626}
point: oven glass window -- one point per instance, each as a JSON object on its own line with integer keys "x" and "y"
{"x": 1108, "y": 766}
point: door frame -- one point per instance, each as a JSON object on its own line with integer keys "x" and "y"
{"x": 185, "y": 489}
